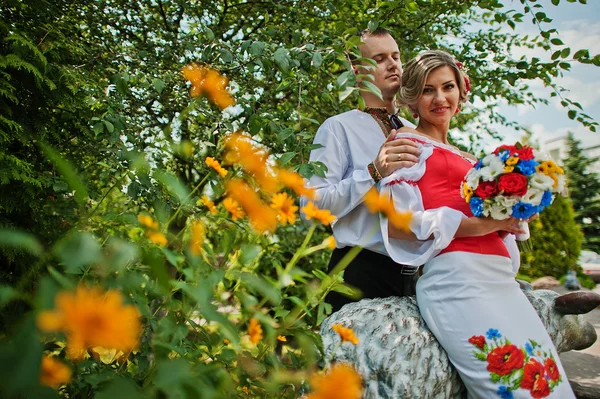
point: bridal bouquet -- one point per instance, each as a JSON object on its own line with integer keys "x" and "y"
{"x": 514, "y": 180}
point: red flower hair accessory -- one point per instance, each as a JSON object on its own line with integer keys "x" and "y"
{"x": 467, "y": 81}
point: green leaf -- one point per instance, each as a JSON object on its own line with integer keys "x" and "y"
{"x": 262, "y": 287}
{"x": 372, "y": 88}
{"x": 317, "y": 59}
{"x": 282, "y": 59}
{"x": 343, "y": 79}
{"x": 285, "y": 133}
{"x": 373, "y": 25}
{"x": 173, "y": 185}
{"x": 77, "y": 250}
{"x": 98, "y": 128}
{"x": 119, "y": 388}
{"x": 555, "y": 2}
{"x": 226, "y": 56}
{"x": 556, "y": 41}
{"x": 572, "y": 113}
{"x": 257, "y": 48}
{"x": 7, "y": 294}
{"x": 249, "y": 252}
{"x": 109, "y": 126}
{"x": 287, "y": 157}
{"x": 412, "y": 6}
{"x": 347, "y": 91}
{"x": 21, "y": 240}
{"x": 158, "y": 84}
{"x": 522, "y": 65}
{"x": 68, "y": 172}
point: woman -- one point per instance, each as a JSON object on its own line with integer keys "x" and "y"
{"x": 467, "y": 294}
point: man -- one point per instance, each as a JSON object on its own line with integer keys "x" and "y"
{"x": 358, "y": 150}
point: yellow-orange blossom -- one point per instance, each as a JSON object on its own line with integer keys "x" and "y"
{"x": 90, "y": 317}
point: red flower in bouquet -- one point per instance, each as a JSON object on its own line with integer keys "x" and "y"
{"x": 535, "y": 380}
{"x": 525, "y": 153}
{"x": 510, "y": 148}
{"x": 513, "y": 184}
{"x": 551, "y": 369}
{"x": 504, "y": 359}
{"x": 486, "y": 189}
{"x": 477, "y": 340}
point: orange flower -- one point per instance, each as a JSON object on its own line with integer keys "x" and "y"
{"x": 209, "y": 204}
{"x": 213, "y": 163}
{"x": 246, "y": 390}
{"x": 294, "y": 181}
{"x": 311, "y": 211}
{"x": 234, "y": 208}
{"x": 342, "y": 382}
{"x": 255, "y": 331}
{"x": 148, "y": 222}
{"x": 281, "y": 338}
{"x": 286, "y": 208}
{"x": 210, "y": 83}
{"x": 90, "y": 317}
{"x": 158, "y": 238}
{"x": 226, "y": 341}
{"x": 197, "y": 240}
{"x": 262, "y": 217}
{"x": 378, "y": 203}
{"x": 329, "y": 242}
{"x": 347, "y": 334}
{"x": 54, "y": 373}
{"x": 253, "y": 160}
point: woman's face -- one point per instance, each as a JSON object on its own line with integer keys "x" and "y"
{"x": 440, "y": 98}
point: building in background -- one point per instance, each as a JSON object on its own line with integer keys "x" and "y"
{"x": 557, "y": 148}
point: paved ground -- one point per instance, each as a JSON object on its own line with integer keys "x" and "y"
{"x": 583, "y": 367}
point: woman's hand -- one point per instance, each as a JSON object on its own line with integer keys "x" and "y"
{"x": 475, "y": 227}
{"x": 396, "y": 154}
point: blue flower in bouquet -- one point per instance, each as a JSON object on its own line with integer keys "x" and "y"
{"x": 478, "y": 165}
{"x": 527, "y": 167}
{"x": 546, "y": 199}
{"x": 476, "y": 205}
{"x": 504, "y": 155}
{"x": 523, "y": 210}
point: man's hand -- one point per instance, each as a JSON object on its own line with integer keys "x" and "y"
{"x": 396, "y": 154}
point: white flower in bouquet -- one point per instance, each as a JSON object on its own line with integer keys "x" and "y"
{"x": 533, "y": 196}
{"x": 472, "y": 178}
{"x": 493, "y": 167}
{"x": 501, "y": 207}
{"x": 561, "y": 187}
{"x": 541, "y": 182}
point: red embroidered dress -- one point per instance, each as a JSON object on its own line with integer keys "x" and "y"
{"x": 468, "y": 294}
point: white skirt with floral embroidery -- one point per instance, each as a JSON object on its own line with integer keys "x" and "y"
{"x": 493, "y": 336}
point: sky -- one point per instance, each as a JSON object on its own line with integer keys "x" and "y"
{"x": 579, "y": 27}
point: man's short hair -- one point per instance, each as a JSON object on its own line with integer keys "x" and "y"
{"x": 365, "y": 33}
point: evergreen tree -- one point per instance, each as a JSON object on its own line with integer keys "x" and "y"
{"x": 584, "y": 189}
{"x": 556, "y": 240}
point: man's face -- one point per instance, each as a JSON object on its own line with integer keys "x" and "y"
{"x": 384, "y": 50}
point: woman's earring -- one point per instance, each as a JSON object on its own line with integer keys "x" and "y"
{"x": 457, "y": 110}
{"x": 415, "y": 115}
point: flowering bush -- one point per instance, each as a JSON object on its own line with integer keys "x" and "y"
{"x": 204, "y": 293}
{"x": 513, "y": 180}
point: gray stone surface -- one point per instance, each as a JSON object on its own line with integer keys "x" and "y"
{"x": 398, "y": 357}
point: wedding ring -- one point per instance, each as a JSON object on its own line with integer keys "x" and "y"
{"x": 399, "y": 157}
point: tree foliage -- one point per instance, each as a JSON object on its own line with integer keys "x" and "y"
{"x": 556, "y": 240}
{"x": 584, "y": 190}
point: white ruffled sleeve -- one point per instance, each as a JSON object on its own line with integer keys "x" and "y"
{"x": 513, "y": 251}
{"x": 434, "y": 228}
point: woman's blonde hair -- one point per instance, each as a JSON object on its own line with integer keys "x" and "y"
{"x": 417, "y": 70}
